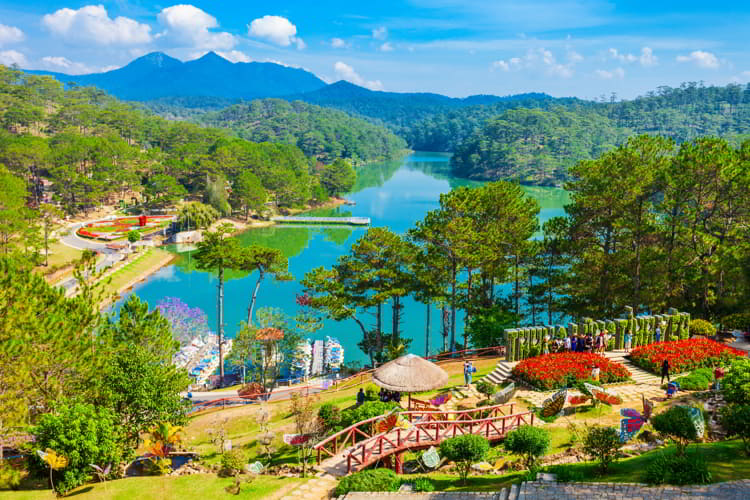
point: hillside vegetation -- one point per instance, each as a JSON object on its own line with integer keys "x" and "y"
{"x": 323, "y": 133}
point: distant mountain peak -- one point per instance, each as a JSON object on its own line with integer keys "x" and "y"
{"x": 212, "y": 56}
{"x": 158, "y": 59}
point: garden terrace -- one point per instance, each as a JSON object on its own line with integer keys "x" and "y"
{"x": 554, "y": 371}
{"x": 684, "y": 355}
{"x": 675, "y": 325}
{"x": 113, "y": 229}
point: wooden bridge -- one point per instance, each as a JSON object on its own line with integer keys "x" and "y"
{"x": 428, "y": 428}
{"x": 352, "y": 221}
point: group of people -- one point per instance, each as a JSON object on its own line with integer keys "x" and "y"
{"x": 578, "y": 343}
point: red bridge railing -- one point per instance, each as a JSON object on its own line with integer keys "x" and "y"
{"x": 366, "y": 428}
{"x": 431, "y": 433}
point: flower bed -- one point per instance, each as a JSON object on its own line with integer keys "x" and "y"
{"x": 683, "y": 355}
{"x": 117, "y": 228}
{"x": 554, "y": 371}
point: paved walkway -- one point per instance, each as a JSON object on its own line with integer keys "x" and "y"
{"x": 735, "y": 490}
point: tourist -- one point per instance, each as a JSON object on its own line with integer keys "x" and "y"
{"x": 581, "y": 343}
{"x": 605, "y": 340}
{"x": 545, "y": 344}
{"x": 665, "y": 370}
{"x": 600, "y": 342}
{"x": 718, "y": 375}
{"x": 573, "y": 343}
{"x": 589, "y": 343}
{"x": 383, "y": 395}
{"x": 468, "y": 370}
{"x": 628, "y": 340}
{"x": 657, "y": 333}
{"x": 360, "y": 397}
{"x": 567, "y": 343}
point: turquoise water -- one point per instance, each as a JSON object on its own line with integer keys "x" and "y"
{"x": 395, "y": 194}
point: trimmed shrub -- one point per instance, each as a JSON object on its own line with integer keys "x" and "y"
{"x": 736, "y": 421}
{"x": 233, "y": 462}
{"x": 735, "y": 384}
{"x": 487, "y": 388}
{"x": 702, "y": 327}
{"x": 464, "y": 450}
{"x": 602, "y": 444}
{"x": 676, "y": 423}
{"x": 372, "y": 392}
{"x": 699, "y": 380}
{"x": 530, "y": 442}
{"x": 737, "y": 321}
{"x": 369, "y": 480}
{"x": 368, "y": 410}
{"x": 330, "y": 415}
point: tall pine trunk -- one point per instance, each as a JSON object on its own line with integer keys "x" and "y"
{"x": 254, "y": 297}
{"x": 427, "y": 332}
{"x": 220, "y": 325}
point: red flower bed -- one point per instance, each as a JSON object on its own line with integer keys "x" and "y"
{"x": 683, "y": 355}
{"x": 554, "y": 371}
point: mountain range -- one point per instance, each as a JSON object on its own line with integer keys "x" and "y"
{"x": 157, "y": 75}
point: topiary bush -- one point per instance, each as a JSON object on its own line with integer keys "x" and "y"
{"x": 369, "y": 480}
{"x": 735, "y": 419}
{"x": 330, "y": 415}
{"x": 372, "y": 392}
{"x": 699, "y": 380}
{"x": 487, "y": 388}
{"x": 602, "y": 444}
{"x": 702, "y": 327}
{"x": 735, "y": 386}
{"x": 528, "y": 441}
{"x": 232, "y": 462}
{"x": 676, "y": 423}
{"x": 464, "y": 450}
{"x": 368, "y": 410}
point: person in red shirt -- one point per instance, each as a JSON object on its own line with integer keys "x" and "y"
{"x": 718, "y": 375}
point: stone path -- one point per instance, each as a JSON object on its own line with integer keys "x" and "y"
{"x": 734, "y": 490}
{"x": 319, "y": 488}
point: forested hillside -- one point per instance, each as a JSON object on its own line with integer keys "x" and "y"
{"x": 95, "y": 149}
{"x": 539, "y": 146}
{"x": 323, "y": 133}
{"x": 535, "y": 146}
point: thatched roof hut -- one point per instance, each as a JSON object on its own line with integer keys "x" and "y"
{"x": 410, "y": 373}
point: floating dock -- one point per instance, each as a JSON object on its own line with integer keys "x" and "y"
{"x": 352, "y": 221}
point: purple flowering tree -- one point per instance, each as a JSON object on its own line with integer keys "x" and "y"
{"x": 187, "y": 322}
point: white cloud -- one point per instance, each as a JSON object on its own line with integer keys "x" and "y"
{"x": 648, "y": 58}
{"x": 574, "y": 57}
{"x": 11, "y": 57}
{"x": 235, "y": 56}
{"x": 276, "y": 29}
{"x": 338, "y": 43}
{"x": 702, "y": 59}
{"x": 380, "y": 33}
{"x": 59, "y": 63}
{"x": 190, "y": 26}
{"x": 345, "y": 72}
{"x": 10, "y": 34}
{"x": 617, "y": 73}
{"x": 386, "y": 47}
{"x": 501, "y": 65}
{"x": 91, "y": 23}
{"x": 109, "y": 67}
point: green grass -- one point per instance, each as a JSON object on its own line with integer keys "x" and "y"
{"x": 138, "y": 265}
{"x": 451, "y": 482}
{"x": 182, "y": 487}
{"x": 726, "y": 461}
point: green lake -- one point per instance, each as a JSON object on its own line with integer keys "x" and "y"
{"x": 395, "y": 194}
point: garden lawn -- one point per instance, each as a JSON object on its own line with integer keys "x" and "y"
{"x": 136, "y": 267}
{"x": 451, "y": 482}
{"x": 61, "y": 255}
{"x": 198, "y": 487}
{"x": 726, "y": 461}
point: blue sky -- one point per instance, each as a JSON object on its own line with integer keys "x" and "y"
{"x": 455, "y": 47}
